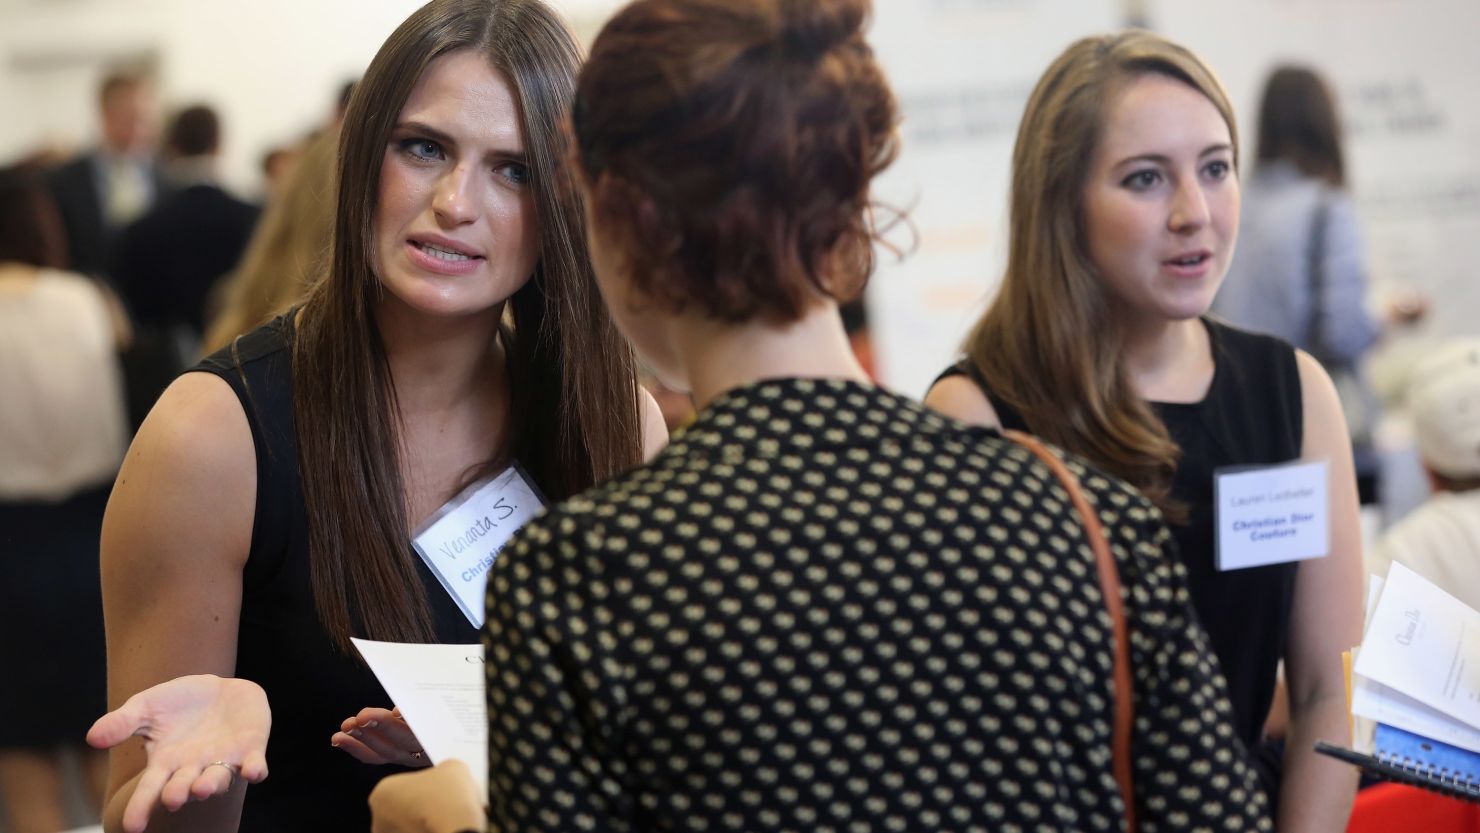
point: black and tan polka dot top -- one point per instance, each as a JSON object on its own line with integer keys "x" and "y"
{"x": 825, "y": 608}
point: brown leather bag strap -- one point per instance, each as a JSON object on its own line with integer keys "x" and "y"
{"x": 1110, "y": 589}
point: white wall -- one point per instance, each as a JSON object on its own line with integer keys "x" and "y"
{"x": 1404, "y": 73}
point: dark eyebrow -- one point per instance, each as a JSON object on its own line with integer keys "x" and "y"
{"x": 424, "y": 129}
{"x": 1163, "y": 160}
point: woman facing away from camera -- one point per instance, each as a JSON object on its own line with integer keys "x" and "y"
{"x": 1125, "y": 208}
{"x": 823, "y": 606}
{"x": 264, "y": 513}
{"x": 62, "y": 436}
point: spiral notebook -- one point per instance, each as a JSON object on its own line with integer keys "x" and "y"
{"x": 1413, "y": 759}
{"x": 1413, "y": 687}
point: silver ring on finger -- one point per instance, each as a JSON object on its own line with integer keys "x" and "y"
{"x": 231, "y": 768}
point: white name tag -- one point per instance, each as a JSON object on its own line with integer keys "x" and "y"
{"x": 463, "y": 538}
{"x": 1271, "y": 515}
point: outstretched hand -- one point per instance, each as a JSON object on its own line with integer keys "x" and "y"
{"x": 201, "y": 733}
{"x": 380, "y": 736}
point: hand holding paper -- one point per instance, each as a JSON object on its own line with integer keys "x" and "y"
{"x": 380, "y": 736}
{"x": 438, "y": 689}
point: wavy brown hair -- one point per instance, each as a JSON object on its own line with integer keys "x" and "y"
{"x": 572, "y": 376}
{"x": 729, "y": 146}
{"x": 1049, "y": 343}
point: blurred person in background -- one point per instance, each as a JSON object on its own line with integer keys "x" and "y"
{"x": 1440, "y": 540}
{"x": 168, "y": 260}
{"x": 1300, "y": 273}
{"x": 288, "y": 251}
{"x": 277, "y": 164}
{"x": 62, "y": 437}
{"x": 102, "y": 191}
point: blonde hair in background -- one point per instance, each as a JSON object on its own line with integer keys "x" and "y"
{"x": 289, "y": 250}
{"x": 1049, "y": 343}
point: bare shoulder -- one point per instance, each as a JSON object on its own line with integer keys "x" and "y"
{"x": 962, "y": 399}
{"x": 654, "y": 429}
{"x": 190, "y": 476}
{"x": 1313, "y": 377}
{"x": 1324, "y": 422}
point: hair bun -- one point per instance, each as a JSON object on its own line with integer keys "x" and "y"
{"x": 812, "y": 28}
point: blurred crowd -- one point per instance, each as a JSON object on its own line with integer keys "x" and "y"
{"x": 119, "y": 268}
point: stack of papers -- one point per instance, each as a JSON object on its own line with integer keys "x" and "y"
{"x": 1416, "y": 686}
{"x": 1419, "y": 665}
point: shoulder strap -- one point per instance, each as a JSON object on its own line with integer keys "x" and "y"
{"x": 1110, "y": 588}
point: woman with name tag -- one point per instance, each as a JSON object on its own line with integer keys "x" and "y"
{"x": 823, "y": 606}
{"x": 1124, "y": 212}
{"x": 264, "y": 513}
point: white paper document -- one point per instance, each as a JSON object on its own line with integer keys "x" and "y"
{"x": 1374, "y": 592}
{"x": 1424, "y": 643}
{"x": 1376, "y": 701}
{"x": 439, "y": 690}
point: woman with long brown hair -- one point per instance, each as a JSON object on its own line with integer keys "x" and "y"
{"x": 265, "y": 512}
{"x": 823, "y": 606}
{"x": 1124, "y": 214}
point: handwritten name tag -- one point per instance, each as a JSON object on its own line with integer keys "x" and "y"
{"x": 1271, "y": 515}
{"x": 460, "y": 542}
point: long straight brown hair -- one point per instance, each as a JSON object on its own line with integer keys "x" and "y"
{"x": 572, "y": 375}
{"x": 1049, "y": 343}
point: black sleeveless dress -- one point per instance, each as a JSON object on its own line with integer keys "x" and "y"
{"x": 1252, "y": 415}
{"x": 310, "y": 685}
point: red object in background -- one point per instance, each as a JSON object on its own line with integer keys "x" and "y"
{"x": 1399, "y": 808}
